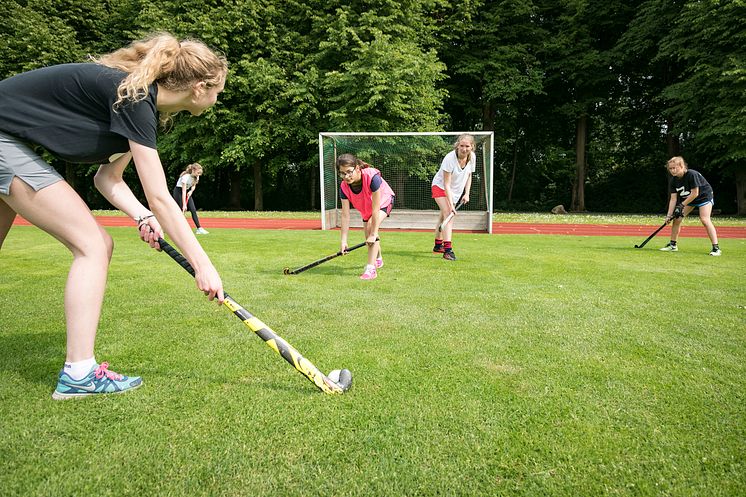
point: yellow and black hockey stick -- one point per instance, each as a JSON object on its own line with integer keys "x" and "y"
{"x": 275, "y": 342}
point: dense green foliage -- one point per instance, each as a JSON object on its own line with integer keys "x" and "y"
{"x": 587, "y": 98}
{"x": 559, "y": 365}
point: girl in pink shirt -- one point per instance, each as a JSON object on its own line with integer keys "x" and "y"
{"x": 364, "y": 188}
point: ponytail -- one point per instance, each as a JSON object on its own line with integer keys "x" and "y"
{"x": 162, "y": 59}
{"x": 191, "y": 169}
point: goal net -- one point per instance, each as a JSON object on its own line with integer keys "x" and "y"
{"x": 408, "y": 162}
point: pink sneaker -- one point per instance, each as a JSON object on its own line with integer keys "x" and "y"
{"x": 369, "y": 274}
{"x": 379, "y": 263}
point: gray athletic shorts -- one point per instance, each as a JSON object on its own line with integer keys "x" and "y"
{"x": 17, "y": 159}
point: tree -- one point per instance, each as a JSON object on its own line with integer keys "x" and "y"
{"x": 376, "y": 75}
{"x": 491, "y": 51}
{"x": 580, "y": 70}
{"x": 709, "y": 99}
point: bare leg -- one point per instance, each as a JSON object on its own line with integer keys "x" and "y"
{"x": 375, "y": 249}
{"x": 704, "y": 216}
{"x": 676, "y": 227}
{"x": 7, "y": 215}
{"x": 445, "y": 211}
{"x": 382, "y": 215}
{"x": 90, "y": 245}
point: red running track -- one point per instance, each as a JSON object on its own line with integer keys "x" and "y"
{"x": 693, "y": 231}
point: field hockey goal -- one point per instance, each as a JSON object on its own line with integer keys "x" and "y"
{"x": 408, "y": 162}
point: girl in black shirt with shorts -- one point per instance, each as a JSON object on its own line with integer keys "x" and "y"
{"x": 103, "y": 112}
{"x": 689, "y": 189}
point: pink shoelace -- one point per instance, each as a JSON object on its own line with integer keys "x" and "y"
{"x": 103, "y": 370}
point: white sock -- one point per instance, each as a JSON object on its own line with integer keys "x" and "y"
{"x": 77, "y": 370}
{"x": 369, "y": 267}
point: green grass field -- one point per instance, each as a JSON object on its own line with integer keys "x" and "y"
{"x": 534, "y": 365}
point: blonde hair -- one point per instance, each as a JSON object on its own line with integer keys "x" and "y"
{"x": 161, "y": 58}
{"x": 677, "y": 160}
{"x": 350, "y": 160}
{"x": 191, "y": 169}
{"x": 466, "y": 137}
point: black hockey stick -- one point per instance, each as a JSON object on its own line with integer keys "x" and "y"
{"x": 652, "y": 235}
{"x": 287, "y": 270}
{"x": 275, "y": 342}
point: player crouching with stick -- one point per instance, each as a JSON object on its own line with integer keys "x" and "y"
{"x": 367, "y": 191}
{"x": 689, "y": 189}
{"x": 451, "y": 183}
{"x": 103, "y": 112}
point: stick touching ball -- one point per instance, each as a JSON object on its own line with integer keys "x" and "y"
{"x": 342, "y": 377}
{"x": 272, "y": 339}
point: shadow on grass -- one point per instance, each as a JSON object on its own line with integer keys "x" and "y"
{"x": 413, "y": 254}
{"x": 322, "y": 269}
{"x": 35, "y": 357}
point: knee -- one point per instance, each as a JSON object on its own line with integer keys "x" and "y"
{"x": 98, "y": 248}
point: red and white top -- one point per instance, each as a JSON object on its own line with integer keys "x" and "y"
{"x": 458, "y": 176}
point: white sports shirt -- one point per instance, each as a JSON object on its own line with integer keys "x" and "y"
{"x": 185, "y": 180}
{"x": 458, "y": 176}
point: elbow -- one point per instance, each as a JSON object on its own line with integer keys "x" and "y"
{"x": 101, "y": 179}
{"x": 159, "y": 202}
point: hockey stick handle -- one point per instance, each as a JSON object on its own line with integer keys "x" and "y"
{"x": 272, "y": 339}
{"x": 652, "y": 235}
{"x": 450, "y": 216}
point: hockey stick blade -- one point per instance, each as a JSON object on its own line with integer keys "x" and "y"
{"x": 651, "y": 236}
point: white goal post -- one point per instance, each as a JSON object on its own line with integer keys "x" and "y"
{"x": 408, "y": 161}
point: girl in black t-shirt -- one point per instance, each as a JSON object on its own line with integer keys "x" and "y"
{"x": 103, "y": 112}
{"x": 688, "y": 189}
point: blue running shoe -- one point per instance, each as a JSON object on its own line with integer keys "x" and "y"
{"x": 98, "y": 380}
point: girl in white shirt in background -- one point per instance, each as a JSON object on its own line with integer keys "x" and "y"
{"x": 452, "y": 183}
{"x": 183, "y": 191}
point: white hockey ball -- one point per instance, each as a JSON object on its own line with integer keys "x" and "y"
{"x": 334, "y": 375}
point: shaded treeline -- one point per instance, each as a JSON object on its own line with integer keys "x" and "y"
{"x": 587, "y": 98}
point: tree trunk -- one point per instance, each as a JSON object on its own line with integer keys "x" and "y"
{"x": 234, "y": 191}
{"x": 741, "y": 190}
{"x": 258, "y": 195}
{"x": 315, "y": 191}
{"x": 488, "y": 117}
{"x": 515, "y": 163}
{"x": 672, "y": 141}
{"x": 578, "y": 193}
